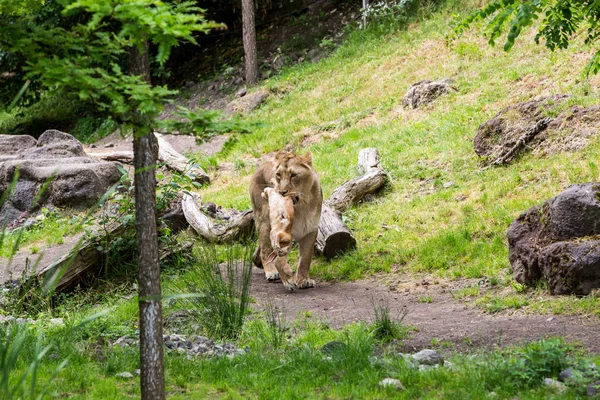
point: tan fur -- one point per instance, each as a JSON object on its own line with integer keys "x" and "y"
{"x": 294, "y": 175}
{"x": 281, "y": 218}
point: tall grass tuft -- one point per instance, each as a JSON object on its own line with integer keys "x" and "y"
{"x": 276, "y": 325}
{"x": 385, "y": 328}
{"x": 222, "y": 278}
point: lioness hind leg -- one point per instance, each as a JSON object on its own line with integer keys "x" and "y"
{"x": 306, "y": 247}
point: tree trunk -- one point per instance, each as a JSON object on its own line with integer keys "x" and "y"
{"x": 249, "y": 36}
{"x": 145, "y": 154}
{"x": 139, "y": 63}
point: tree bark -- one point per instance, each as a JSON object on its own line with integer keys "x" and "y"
{"x": 145, "y": 154}
{"x": 139, "y": 63}
{"x": 334, "y": 236}
{"x": 249, "y": 37}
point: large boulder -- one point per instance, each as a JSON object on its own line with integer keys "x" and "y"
{"x": 424, "y": 92}
{"x": 570, "y": 128}
{"x": 54, "y": 170}
{"x": 559, "y": 242}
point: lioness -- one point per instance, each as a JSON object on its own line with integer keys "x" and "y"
{"x": 294, "y": 174}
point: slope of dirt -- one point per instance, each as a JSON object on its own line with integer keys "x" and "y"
{"x": 444, "y": 319}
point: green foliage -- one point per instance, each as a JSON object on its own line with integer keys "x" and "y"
{"x": 385, "y": 328}
{"x": 85, "y": 58}
{"x": 223, "y": 281}
{"x": 16, "y": 345}
{"x": 561, "y": 22}
{"x": 527, "y": 366}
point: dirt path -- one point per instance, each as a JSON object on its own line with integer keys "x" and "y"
{"x": 444, "y": 319}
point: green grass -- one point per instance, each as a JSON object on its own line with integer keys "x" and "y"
{"x": 50, "y": 228}
{"x": 452, "y": 232}
{"x": 299, "y": 369}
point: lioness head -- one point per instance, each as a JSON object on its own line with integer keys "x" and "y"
{"x": 294, "y": 173}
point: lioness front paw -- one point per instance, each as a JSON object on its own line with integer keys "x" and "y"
{"x": 305, "y": 283}
{"x": 272, "y": 276}
{"x": 290, "y": 285}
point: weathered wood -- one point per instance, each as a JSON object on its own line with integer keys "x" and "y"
{"x": 166, "y": 153}
{"x": 178, "y": 162}
{"x": 123, "y": 156}
{"x": 239, "y": 226}
{"x": 334, "y": 237}
{"x": 368, "y": 158}
{"x": 352, "y": 191}
{"x": 84, "y": 254}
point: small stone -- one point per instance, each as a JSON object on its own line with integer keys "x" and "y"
{"x": 9, "y": 319}
{"x": 391, "y": 383}
{"x": 124, "y": 375}
{"x": 137, "y": 372}
{"x": 593, "y": 389}
{"x": 554, "y": 384}
{"x": 109, "y": 145}
{"x": 428, "y": 357}
{"x": 448, "y": 185}
{"x": 92, "y": 146}
{"x": 57, "y": 322}
{"x": 242, "y": 92}
{"x": 550, "y": 319}
{"x": 565, "y": 375}
{"x": 21, "y": 320}
{"x": 29, "y": 222}
{"x": 333, "y": 347}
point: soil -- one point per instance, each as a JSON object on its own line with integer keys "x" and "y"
{"x": 444, "y": 319}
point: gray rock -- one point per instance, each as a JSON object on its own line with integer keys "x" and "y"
{"x": 448, "y": 185}
{"x": 557, "y": 241}
{"x": 242, "y": 92}
{"x": 11, "y": 145}
{"x": 554, "y": 384}
{"x": 58, "y": 160}
{"x": 593, "y": 389}
{"x": 57, "y": 322}
{"x": 249, "y": 102}
{"x": 424, "y": 92}
{"x": 391, "y": 383}
{"x": 124, "y": 375}
{"x": 566, "y": 374}
{"x": 428, "y": 357}
{"x": 333, "y": 347}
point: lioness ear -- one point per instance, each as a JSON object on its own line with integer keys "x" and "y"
{"x": 307, "y": 158}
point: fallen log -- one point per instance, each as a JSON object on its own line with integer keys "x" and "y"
{"x": 178, "y": 162}
{"x": 334, "y": 237}
{"x": 84, "y": 255}
{"x": 239, "y": 226}
{"x": 172, "y": 159}
{"x": 352, "y": 191}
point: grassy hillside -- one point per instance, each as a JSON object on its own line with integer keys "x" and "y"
{"x": 421, "y": 224}
{"x": 458, "y": 231}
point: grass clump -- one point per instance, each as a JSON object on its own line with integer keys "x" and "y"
{"x": 385, "y": 328}
{"x": 220, "y": 284}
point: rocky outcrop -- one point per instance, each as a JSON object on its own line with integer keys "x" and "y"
{"x": 54, "y": 170}
{"x": 559, "y": 242}
{"x": 424, "y": 92}
{"x": 248, "y": 102}
{"x": 568, "y": 129}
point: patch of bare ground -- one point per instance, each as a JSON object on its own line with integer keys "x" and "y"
{"x": 440, "y": 318}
